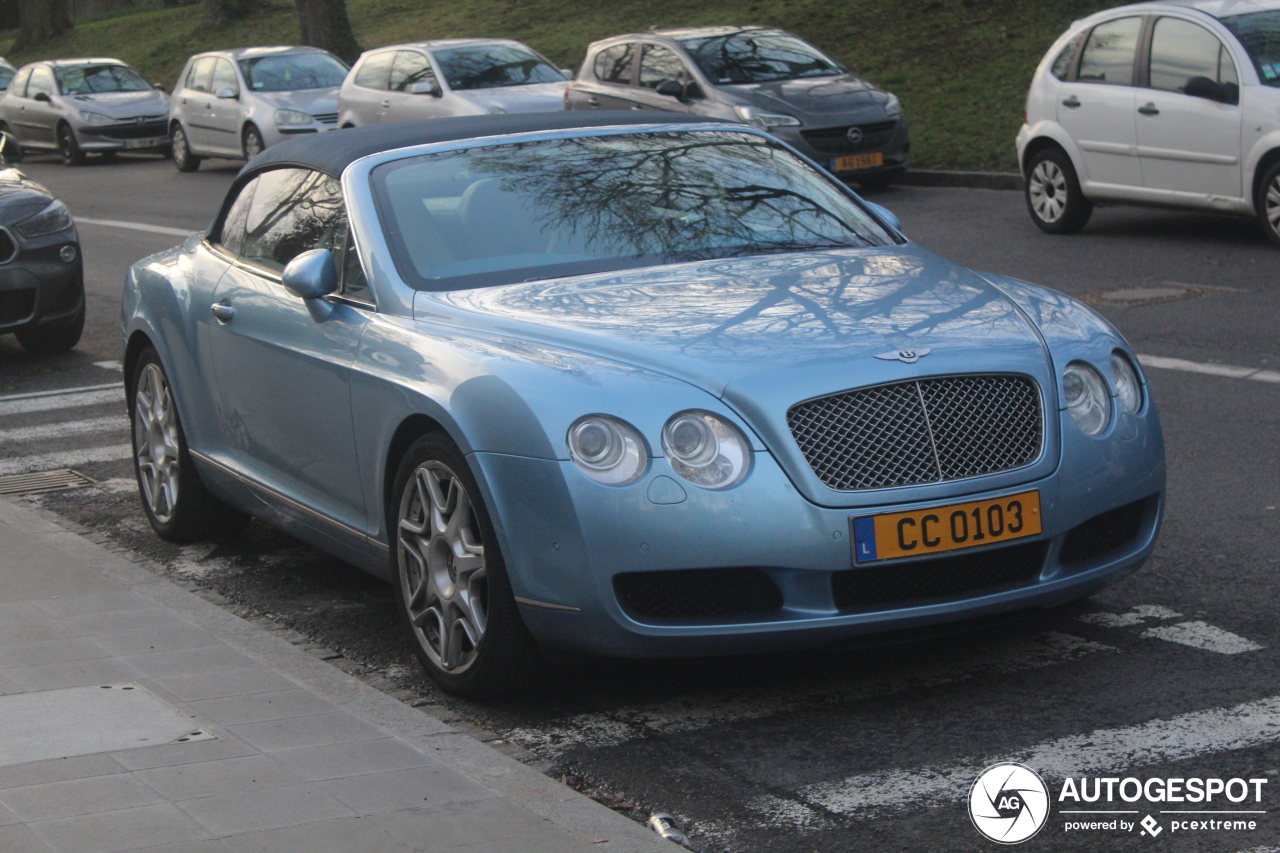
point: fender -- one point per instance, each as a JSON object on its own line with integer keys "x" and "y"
{"x": 1046, "y": 129}
{"x": 1265, "y": 144}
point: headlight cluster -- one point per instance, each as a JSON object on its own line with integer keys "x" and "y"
{"x": 1088, "y": 398}
{"x": 703, "y": 448}
{"x": 765, "y": 121}
{"x": 893, "y": 107}
{"x": 54, "y": 218}
{"x": 95, "y": 118}
{"x": 287, "y": 118}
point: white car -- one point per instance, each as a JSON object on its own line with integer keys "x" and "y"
{"x": 235, "y": 103}
{"x": 449, "y": 77}
{"x": 1169, "y": 103}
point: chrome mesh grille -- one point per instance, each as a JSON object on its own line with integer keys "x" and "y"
{"x": 920, "y": 431}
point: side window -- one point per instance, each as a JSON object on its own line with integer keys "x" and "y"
{"x": 1181, "y": 51}
{"x": 613, "y": 64}
{"x": 373, "y": 71}
{"x": 41, "y": 81}
{"x": 354, "y": 284}
{"x": 232, "y": 236}
{"x": 224, "y": 77}
{"x": 410, "y": 67}
{"x": 1227, "y": 69}
{"x": 1062, "y": 65}
{"x": 293, "y": 210}
{"x": 660, "y": 63}
{"x": 19, "y": 84}
{"x": 1108, "y": 55}
{"x": 198, "y": 78}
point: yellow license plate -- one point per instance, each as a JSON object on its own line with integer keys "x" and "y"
{"x": 857, "y": 161}
{"x": 945, "y": 528}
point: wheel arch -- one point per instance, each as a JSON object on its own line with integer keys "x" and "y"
{"x": 1265, "y": 162}
{"x": 1041, "y": 143}
{"x": 411, "y": 429}
{"x": 138, "y": 341}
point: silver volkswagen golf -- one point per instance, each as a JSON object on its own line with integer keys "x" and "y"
{"x": 235, "y": 103}
{"x": 82, "y": 106}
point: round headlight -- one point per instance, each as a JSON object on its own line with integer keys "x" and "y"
{"x": 1128, "y": 386}
{"x": 607, "y": 450}
{"x": 1087, "y": 397}
{"x": 705, "y": 449}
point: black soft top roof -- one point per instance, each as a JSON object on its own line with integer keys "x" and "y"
{"x": 333, "y": 151}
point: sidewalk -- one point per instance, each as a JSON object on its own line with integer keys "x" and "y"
{"x": 237, "y": 740}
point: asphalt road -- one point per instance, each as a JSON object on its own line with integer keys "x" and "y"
{"x": 1172, "y": 673}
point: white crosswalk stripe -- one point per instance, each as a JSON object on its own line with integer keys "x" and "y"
{"x": 47, "y": 432}
{"x": 65, "y": 459}
{"x": 53, "y": 402}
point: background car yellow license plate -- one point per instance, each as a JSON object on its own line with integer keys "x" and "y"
{"x": 858, "y": 161}
{"x": 945, "y": 528}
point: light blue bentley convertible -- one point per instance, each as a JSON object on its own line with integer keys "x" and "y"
{"x": 628, "y": 384}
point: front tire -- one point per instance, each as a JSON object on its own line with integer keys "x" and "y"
{"x": 451, "y": 584}
{"x": 183, "y": 159}
{"x": 252, "y": 142}
{"x": 1269, "y": 203}
{"x": 68, "y": 148}
{"x": 176, "y": 502}
{"x": 1054, "y": 199}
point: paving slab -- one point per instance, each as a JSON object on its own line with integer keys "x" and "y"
{"x": 284, "y": 751}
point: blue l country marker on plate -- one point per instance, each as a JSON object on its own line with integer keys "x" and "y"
{"x": 864, "y": 539}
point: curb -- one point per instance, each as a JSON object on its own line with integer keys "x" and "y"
{"x": 972, "y": 180}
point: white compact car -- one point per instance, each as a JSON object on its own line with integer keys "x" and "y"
{"x": 234, "y": 103}
{"x": 449, "y": 77}
{"x": 1168, "y": 103}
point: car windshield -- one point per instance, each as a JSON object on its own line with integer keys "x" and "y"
{"x": 93, "y": 79}
{"x": 758, "y": 58}
{"x": 510, "y": 213}
{"x": 291, "y": 71}
{"x": 1259, "y": 32}
{"x": 490, "y": 66}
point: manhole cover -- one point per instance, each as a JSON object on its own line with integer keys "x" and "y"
{"x": 43, "y": 481}
{"x": 1153, "y": 294}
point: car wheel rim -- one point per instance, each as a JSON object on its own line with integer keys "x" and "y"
{"x": 442, "y": 567}
{"x": 180, "y": 147}
{"x": 64, "y": 139}
{"x": 1273, "y": 205}
{"x": 252, "y": 145}
{"x": 155, "y": 439}
{"x": 1048, "y": 191}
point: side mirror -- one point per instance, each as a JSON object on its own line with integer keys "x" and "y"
{"x": 1203, "y": 87}
{"x": 10, "y": 150}
{"x": 226, "y": 93}
{"x": 157, "y": 87}
{"x": 311, "y": 275}
{"x": 423, "y": 87}
{"x": 566, "y": 73}
{"x": 42, "y": 96}
{"x": 670, "y": 88}
{"x": 884, "y": 213}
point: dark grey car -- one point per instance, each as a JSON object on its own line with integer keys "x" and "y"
{"x": 757, "y": 75}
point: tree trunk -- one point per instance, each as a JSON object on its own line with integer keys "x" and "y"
{"x": 324, "y": 24}
{"x": 40, "y": 21}
{"x": 220, "y": 12}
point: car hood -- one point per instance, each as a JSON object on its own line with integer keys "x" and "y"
{"x": 533, "y": 98}
{"x": 842, "y": 93}
{"x": 760, "y": 320}
{"x": 311, "y": 101}
{"x": 20, "y": 196}
{"x": 122, "y": 104}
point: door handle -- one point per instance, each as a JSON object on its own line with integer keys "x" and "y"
{"x": 637, "y": 107}
{"x": 386, "y": 103}
{"x": 223, "y": 312}
{"x": 595, "y": 102}
{"x": 184, "y": 100}
{"x": 1149, "y": 110}
{"x": 1071, "y": 102}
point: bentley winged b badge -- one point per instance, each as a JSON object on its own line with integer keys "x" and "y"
{"x": 907, "y": 356}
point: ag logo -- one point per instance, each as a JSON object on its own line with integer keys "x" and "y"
{"x": 1008, "y": 803}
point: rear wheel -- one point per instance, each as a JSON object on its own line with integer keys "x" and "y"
{"x": 68, "y": 148}
{"x": 183, "y": 159}
{"x": 1269, "y": 203}
{"x": 253, "y": 145}
{"x": 1053, "y": 194}
{"x": 451, "y": 583}
{"x": 177, "y": 504}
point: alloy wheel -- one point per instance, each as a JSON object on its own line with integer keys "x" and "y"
{"x": 252, "y": 144}
{"x": 155, "y": 431}
{"x": 1272, "y": 205}
{"x": 442, "y": 567}
{"x": 1048, "y": 191}
{"x": 180, "y": 152}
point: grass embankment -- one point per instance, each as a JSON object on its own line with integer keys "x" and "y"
{"x": 961, "y": 67}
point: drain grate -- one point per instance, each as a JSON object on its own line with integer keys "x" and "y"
{"x": 1154, "y": 294}
{"x": 44, "y": 481}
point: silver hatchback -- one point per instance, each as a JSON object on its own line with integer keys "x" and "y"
{"x": 235, "y": 103}
{"x": 82, "y": 106}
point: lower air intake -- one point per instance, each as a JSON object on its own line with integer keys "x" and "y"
{"x": 697, "y": 593}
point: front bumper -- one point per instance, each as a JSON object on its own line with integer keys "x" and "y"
{"x": 36, "y": 285}
{"x": 827, "y": 144}
{"x": 128, "y": 136}
{"x": 566, "y": 540}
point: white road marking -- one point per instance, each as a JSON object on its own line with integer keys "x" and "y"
{"x": 61, "y": 430}
{"x": 1202, "y": 635}
{"x": 1102, "y": 752}
{"x": 109, "y": 365}
{"x": 1136, "y": 616}
{"x": 1229, "y": 370}
{"x": 628, "y": 724}
{"x": 49, "y": 403}
{"x": 30, "y": 395}
{"x": 136, "y": 226}
{"x": 68, "y": 459}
